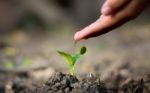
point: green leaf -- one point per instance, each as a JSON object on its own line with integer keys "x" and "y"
{"x": 83, "y": 50}
{"x": 75, "y": 58}
{"x": 67, "y": 57}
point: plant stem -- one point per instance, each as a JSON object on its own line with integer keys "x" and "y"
{"x": 71, "y": 70}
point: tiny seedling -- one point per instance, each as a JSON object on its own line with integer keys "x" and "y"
{"x": 71, "y": 59}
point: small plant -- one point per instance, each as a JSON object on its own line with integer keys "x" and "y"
{"x": 71, "y": 59}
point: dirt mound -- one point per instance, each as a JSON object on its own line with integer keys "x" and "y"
{"x": 64, "y": 83}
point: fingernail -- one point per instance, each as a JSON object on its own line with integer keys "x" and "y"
{"x": 76, "y": 37}
{"x": 106, "y": 10}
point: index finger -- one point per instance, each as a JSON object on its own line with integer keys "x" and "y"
{"x": 99, "y": 27}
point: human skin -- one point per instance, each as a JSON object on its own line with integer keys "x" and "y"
{"x": 114, "y": 13}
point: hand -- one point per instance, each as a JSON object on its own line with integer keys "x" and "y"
{"x": 114, "y": 13}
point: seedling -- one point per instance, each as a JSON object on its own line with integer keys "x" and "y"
{"x": 71, "y": 59}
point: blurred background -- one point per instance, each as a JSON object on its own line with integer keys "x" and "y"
{"x": 32, "y": 30}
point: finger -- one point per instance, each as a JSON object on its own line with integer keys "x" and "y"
{"x": 101, "y": 26}
{"x": 112, "y": 6}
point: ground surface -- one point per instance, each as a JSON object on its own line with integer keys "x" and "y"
{"x": 64, "y": 83}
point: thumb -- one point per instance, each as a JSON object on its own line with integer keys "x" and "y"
{"x": 112, "y": 6}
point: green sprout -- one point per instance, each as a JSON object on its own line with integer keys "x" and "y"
{"x": 71, "y": 59}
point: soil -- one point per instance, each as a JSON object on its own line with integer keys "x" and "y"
{"x": 16, "y": 83}
{"x": 65, "y": 83}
